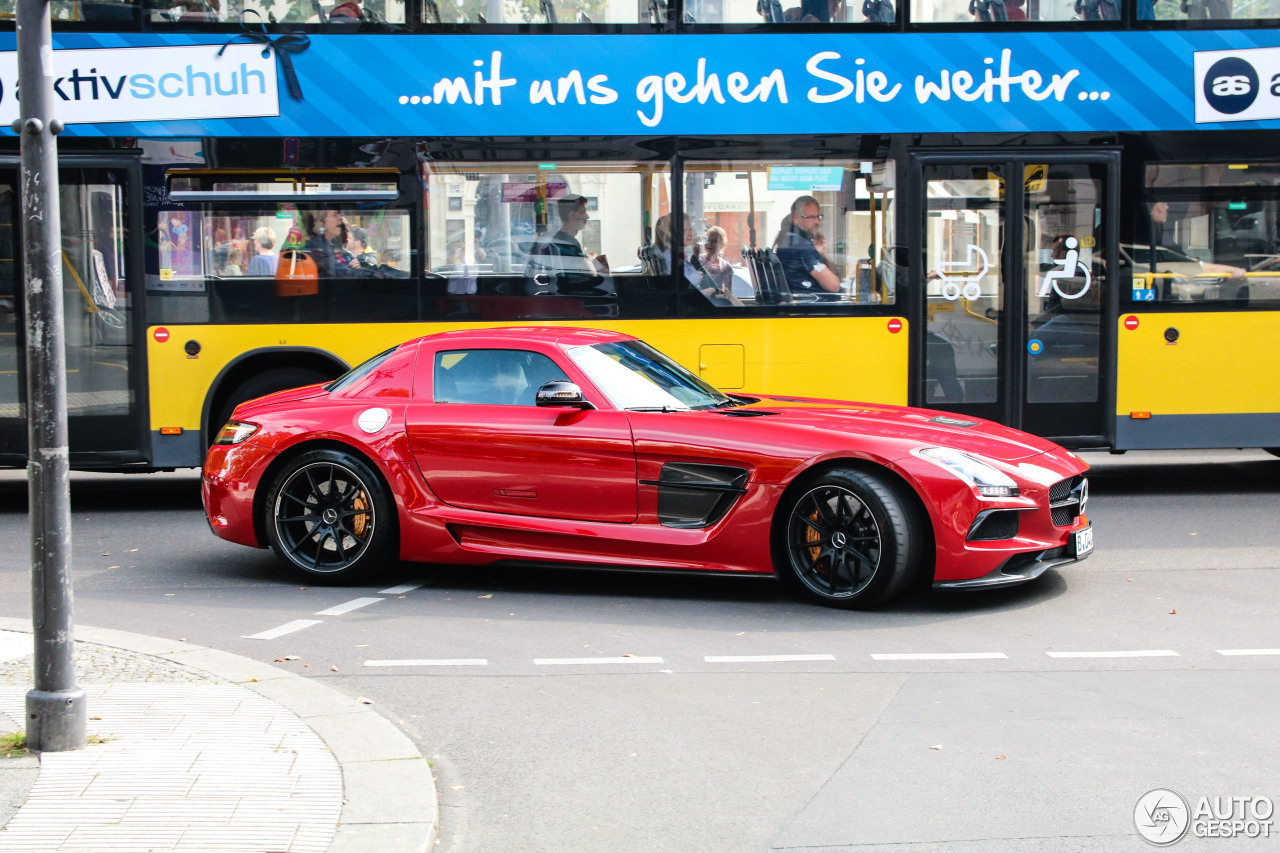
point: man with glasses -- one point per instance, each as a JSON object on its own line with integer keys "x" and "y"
{"x": 801, "y": 246}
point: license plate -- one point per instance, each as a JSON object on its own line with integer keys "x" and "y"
{"x": 1083, "y": 542}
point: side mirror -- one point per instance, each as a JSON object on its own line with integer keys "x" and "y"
{"x": 560, "y": 393}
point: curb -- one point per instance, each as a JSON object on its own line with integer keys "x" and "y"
{"x": 382, "y": 771}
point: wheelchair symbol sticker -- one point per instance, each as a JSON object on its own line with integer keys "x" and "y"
{"x": 969, "y": 282}
{"x": 1066, "y": 271}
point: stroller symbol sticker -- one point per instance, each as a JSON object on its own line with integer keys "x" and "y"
{"x": 968, "y": 281}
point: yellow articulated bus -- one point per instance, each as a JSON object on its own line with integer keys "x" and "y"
{"x": 1016, "y": 285}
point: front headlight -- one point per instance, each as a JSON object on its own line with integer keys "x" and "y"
{"x": 990, "y": 482}
{"x": 235, "y": 432}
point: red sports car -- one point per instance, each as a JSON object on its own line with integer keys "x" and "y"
{"x": 582, "y": 447}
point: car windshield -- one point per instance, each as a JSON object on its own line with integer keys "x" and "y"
{"x": 634, "y": 375}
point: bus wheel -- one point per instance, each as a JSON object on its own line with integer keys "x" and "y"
{"x": 261, "y": 384}
{"x": 329, "y": 515}
{"x": 848, "y": 540}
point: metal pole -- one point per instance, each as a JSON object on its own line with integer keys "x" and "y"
{"x": 56, "y": 714}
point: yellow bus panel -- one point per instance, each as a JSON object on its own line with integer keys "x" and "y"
{"x": 1219, "y": 363}
{"x": 847, "y": 358}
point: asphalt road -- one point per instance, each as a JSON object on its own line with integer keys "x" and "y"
{"x": 572, "y": 711}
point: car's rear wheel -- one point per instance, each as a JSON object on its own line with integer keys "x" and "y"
{"x": 329, "y": 515}
{"x": 849, "y": 539}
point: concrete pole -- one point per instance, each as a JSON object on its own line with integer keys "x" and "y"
{"x": 56, "y": 713}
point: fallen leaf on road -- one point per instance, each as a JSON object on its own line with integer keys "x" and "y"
{"x": 131, "y": 550}
{"x": 287, "y": 657}
{"x": 999, "y": 758}
{"x": 253, "y": 679}
{"x": 490, "y": 595}
{"x": 334, "y": 668}
{"x": 113, "y": 567}
{"x": 455, "y": 787}
{"x": 1171, "y": 612}
{"x": 364, "y": 701}
{"x": 106, "y": 555}
{"x": 936, "y": 746}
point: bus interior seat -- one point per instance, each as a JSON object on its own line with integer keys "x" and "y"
{"x": 767, "y": 277}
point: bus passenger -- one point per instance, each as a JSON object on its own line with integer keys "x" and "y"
{"x": 560, "y": 265}
{"x": 717, "y": 266}
{"x": 328, "y": 232}
{"x": 691, "y": 266}
{"x": 572, "y": 210}
{"x": 264, "y": 260}
{"x": 800, "y": 246}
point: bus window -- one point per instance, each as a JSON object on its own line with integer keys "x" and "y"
{"x": 574, "y": 237}
{"x": 1207, "y": 10}
{"x": 1210, "y": 250}
{"x": 336, "y": 14}
{"x": 1014, "y": 11}
{"x": 220, "y": 243}
{"x": 789, "y": 12}
{"x": 796, "y": 232}
{"x": 542, "y": 12}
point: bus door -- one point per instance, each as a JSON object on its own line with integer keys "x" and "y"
{"x": 100, "y": 254}
{"x": 1015, "y": 289}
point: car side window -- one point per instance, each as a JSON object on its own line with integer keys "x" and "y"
{"x": 495, "y": 377}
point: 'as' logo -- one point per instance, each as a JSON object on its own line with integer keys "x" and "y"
{"x": 1231, "y": 85}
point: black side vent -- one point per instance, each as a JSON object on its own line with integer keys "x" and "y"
{"x": 744, "y": 413}
{"x": 992, "y": 525}
{"x": 1067, "y": 499}
{"x": 693, "y": 495}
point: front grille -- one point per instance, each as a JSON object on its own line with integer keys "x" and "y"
{"x": 994, "y": 525}
{"x": 1067, "y": 500}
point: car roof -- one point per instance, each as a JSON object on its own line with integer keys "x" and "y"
{"x": 517, "y": 335}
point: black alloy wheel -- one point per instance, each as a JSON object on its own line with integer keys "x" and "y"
{"x": 848, "y": 540}
{"x": 329, "y": 515}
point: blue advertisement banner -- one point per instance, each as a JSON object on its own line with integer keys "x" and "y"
{"x": 122, "y": 84}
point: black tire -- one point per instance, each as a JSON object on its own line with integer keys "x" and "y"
{"x": 848, "y": 538}
{"x": 261, "y": 384}
{"x": 329, "y": 515}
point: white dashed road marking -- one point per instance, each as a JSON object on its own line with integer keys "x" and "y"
{"x": 400, "y": 590}
{"x": 287, "y": 628}
{"x": 944, "y": 656}
{"x": 1234, "y": 652}
{"x": 764, "y": 658}
{"x": 347, "y": 607}
{"x": 420, "y": 662}
{"x": 581, "y": 661}
{"x": 1151, "y": 653}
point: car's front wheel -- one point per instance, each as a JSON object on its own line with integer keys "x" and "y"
{"x": 329, "y": 515}
{"x": 849, "y": 538}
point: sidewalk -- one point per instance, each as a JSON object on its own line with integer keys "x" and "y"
{"x": 193, "y": 749}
